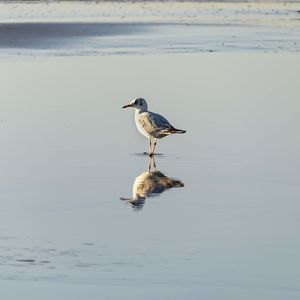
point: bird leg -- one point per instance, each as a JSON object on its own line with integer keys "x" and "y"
{"x": 154, "y": 145}
{"x": 154, "y": 164}
{"x": 150, "y": 147}
{"x": 149, "y": 166}
{"x": 151, "y": 163}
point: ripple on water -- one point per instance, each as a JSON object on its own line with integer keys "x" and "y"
{"x": 26, "y": 260}
{"x": 88, "y": 244}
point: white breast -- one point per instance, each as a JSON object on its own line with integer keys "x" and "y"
{"x": 139, "y": 126}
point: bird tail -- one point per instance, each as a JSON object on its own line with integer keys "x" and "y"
{"x": 174, "y": 130}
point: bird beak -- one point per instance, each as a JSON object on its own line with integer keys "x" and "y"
{"x": 128, "y": 105}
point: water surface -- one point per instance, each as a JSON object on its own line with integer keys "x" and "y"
{"x": 69, "y": 153}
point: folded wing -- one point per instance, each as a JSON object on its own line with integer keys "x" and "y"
{"x": 153, "y": 122}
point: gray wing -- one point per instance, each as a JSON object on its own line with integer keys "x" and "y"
{"x": 152, "y": 122}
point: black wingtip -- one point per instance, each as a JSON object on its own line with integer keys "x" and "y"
{"x": 180, "y": 131}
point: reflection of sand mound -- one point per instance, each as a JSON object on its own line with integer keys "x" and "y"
{"x": 153, "y": 183}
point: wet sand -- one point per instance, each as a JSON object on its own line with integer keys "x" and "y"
{"x": 129, "y": 28}
{"x": 57, "y": 35}
{"x": 80, "y": 217}
{"x": 69, "y": 153}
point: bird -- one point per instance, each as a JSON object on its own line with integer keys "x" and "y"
{"x": 152, "y": 125}
{"x": 150, "y": 184}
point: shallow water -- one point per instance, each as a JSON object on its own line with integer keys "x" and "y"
{"x": 79, "y": 28}
{"x": 69, "y": 153}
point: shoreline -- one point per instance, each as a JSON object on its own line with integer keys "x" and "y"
{"x": 150, "y": 1}
{"x": 81, "y": 28}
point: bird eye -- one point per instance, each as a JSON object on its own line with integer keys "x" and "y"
{"x": 141, "y": 103}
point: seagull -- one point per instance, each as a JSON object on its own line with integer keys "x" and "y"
{"x": 152, "y": 125}
{"x": 150, "y": 184}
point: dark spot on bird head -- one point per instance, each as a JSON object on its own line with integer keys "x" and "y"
{"x": 138, "y": 101}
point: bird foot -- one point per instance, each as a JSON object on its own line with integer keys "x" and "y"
{"x": 151, "y": 154}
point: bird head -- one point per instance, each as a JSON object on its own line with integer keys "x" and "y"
{"x": 138, "y": 103}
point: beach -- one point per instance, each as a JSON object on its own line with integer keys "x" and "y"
{"x": 71, "y": 156}
{"x": 90, "y": 28}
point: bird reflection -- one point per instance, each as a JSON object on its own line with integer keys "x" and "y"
{"x": 150, "y": 184}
